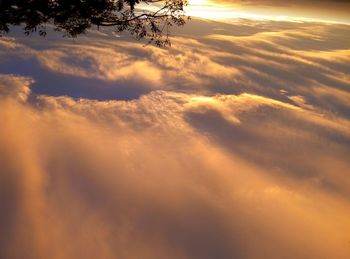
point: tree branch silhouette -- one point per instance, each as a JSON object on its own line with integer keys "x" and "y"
{"x": 74, "y": 17}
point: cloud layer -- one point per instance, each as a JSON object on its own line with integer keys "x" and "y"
{"x": 282, "y": 60}
{"x": 172, "y": 176}
{"x": 235, "y": 145}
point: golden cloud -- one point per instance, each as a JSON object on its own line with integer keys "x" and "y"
{"x": 151, "y": 178}
{"x": 239, "y": 148}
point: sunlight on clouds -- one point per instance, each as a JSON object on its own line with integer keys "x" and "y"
{"x": 237, "y": 147}
{"x": 96, "y": 62}
{"x": 90, "y": 171}
{"x": 15, "y": 87}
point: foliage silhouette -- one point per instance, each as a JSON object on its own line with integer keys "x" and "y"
{"x": 74, "y": 17}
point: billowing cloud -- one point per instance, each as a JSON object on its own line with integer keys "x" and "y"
{"x": 274, "y": 59}
{"x": 233, "y": 143}
{"x": 172, "y": 175}
{"x": 15, "y": 87}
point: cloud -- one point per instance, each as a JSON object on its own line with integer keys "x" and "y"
{"x": 15, "y": 87}
{"x": 273, "y": 59}
{"x": 171, "y": 175}
{"x": 100, "y": 63}
{"x": 270, "y": 133}
{"x": 233, "y": 143}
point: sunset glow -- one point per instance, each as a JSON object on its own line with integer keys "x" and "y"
{"x": 124, "y": 137}
{"x": 198, "y": 2}
{"x": 228, "y": 11}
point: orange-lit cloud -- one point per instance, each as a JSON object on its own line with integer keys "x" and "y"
{"x": 172, "y": 176}
{"x": 237, "y": 147}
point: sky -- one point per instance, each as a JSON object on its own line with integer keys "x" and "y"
{"x": 231, "y": 143}
{"x": 319, "y": 10}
